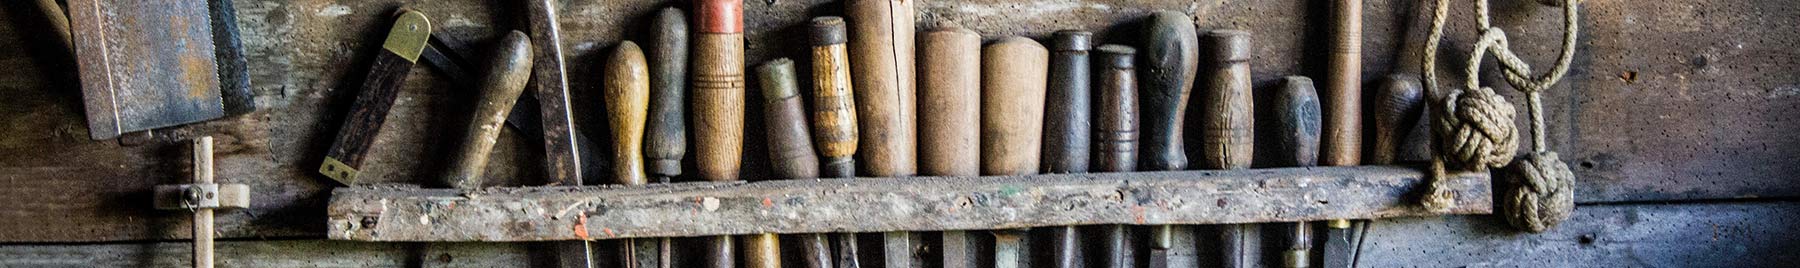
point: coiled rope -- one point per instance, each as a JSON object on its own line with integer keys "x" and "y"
{"x": 1473, "y": 126}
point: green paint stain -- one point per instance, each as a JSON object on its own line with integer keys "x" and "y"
{"x": 1009, "y": 191}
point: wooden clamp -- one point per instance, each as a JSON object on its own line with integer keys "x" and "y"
{"x": 201, "y": 197}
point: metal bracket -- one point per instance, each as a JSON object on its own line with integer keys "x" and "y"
{"x": 202, "y": 196}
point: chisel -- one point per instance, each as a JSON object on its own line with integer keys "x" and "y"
{"x": 1167, "y": 55}
{"x": 1340, "y": 102}
{"x": 626, "y": 81}
{"x": 718, "y": 100}
{"x": 790, "y": 148}
{"x": 1067, "y": 124}
{"x": 1226, "y": 119}
{"x": 950, "y": 118}
{"x": 834, "y": 118}
{"x": 1290, "y": 128}
{"x": 500, "y": 88}
{"x": 1115, "y": 137}
{"x": 562, "y": 153}
{"x": 665, "y": 132}
{"x": 881, "y": 52}
{"x": 388, "y": 73}
{"x": 1014, "y": 81}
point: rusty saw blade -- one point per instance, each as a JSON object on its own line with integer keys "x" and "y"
{"x": 145, "y": 64}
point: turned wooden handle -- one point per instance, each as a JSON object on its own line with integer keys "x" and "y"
{"x": 1067, "y": 104}
{"x": 790, "y": 145}
{"x": 1166, "y": 68}
{"x": 881, "y": 52}
{"x": 666, "y": 131}
{"x": 762, "y": 251}
{"x": 627, "y": 95}
{"x": 1290, "y": 125}
{"x": 1226, "y": 109}
{"x": 1398, "y": 104}
{"x": 1341, "y": 99}
{"x": 718, "y": 99}
{"x": 1116, "y": 109}
{"x": 1014, "y": 75}
{"x": 834, "y": 114}
{"x": 505, "y": 80}
{"x": 950, "y": 101}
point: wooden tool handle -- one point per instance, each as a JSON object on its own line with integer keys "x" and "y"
{"x": 1067, "y": 105}
{"x": 762, "y": 251}
{"x": 950, "y": 101}
{"x": 1398, "y": 104}
{"x": 1225, "y": 106}
{"x": 834, "y": 114}
{"x": 1291, "y": 124}
{"x": 790, "y": 145}
{"x": 1167, "y": 59}
{"x": 1116, "y": 109}
{"x": 718, "y": 99}
{"x": 627, "y": 95}
{"x": 369, "y": 111}
{"x": 1014, "y": 77}
{"x": 881, "y": 52}
{"x": 500, "y": 88}
{"x": 666, "y": 130}
{"x": 1341, "y": 98}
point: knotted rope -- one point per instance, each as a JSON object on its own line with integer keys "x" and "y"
{"x": 1474, "y": 130}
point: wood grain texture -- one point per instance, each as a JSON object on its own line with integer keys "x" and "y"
{"x": 834, "y": 104}
{"x": 718, "y": 105}
{"x": 366, "y": 117}
{"x": 1341, "y": 92}
{"x": 1014, "y": 72}
{"x": 885, "y": 204}
{"x": 881, "y": 52}
{"x": 949, "y": 101}
{"x": 627, "y": 99}
{"x": 1224, "y": 106}
{"x": 1115, "y": 109}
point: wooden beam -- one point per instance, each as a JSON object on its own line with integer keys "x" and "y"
{"x": 1740, "y": 234}
{"x": 887, "y": 204}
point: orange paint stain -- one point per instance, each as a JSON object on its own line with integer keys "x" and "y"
{"x": 581, "y": 226}
{"x": 768, "y": 203}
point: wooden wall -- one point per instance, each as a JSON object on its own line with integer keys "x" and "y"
{"x": 1677, "y": 119}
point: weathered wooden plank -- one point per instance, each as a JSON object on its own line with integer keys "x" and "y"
{"x": 271, "y": 254}
{"x": 1753, "y": 234}
{"x": 1669, "y": 100}
{"x": 888, "y": 204}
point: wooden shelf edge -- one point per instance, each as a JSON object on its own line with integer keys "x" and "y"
{"x": 390, "y": 213}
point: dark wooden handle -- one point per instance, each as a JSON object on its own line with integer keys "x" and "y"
{"x": 1014, "y": 75}
{"x": 505, "y": 80}
{"x": 1116, "y": 109}
{"x": 950, "y": 101}
{"x": 1167, "y": 59}
{"x": 1067, "y": 105}
{"x": 627, "y": 95}
{"x": 1225, "y": 108}
{"x": 881, "y": 55}
{"x": 1291, "y": 125}
{"x": 718, "y": 101}
{"x": 367, "y": 114}
{"x": 1341, "y": 97}
{"x": 666, "y": 131}
{"x": 834, "y": 114}
{"x": 1398, "y": 104}
{"x": 790, "y": 145}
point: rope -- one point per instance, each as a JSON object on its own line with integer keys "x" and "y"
{"x": 1474, "y": 130}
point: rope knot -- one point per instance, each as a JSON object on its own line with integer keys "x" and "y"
{"x": 1539, "y": 192}
{"x": 1476, "y": 129}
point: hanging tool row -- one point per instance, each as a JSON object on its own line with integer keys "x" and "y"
{"x": 886, "y": 102}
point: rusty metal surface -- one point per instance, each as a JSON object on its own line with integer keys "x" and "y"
{"x": 145, "y": 64}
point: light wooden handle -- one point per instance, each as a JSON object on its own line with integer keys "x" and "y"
{"x": 1225, "y": 105}
{"x": 718, "y": 100}
{"x": 834, "y": 114}
{"x": 500, "y": 88}
{"x": 950, "y": 101}
{"x": 1014, "y": 76}
{"x": 881, "y": 52}
{"x": 627, "y": 97}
